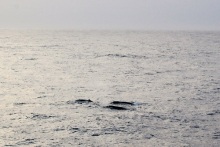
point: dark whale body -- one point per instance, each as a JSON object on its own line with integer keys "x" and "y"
{"x": 80, "y": 101}
{"x": 115, "y": 107}
{"x": 122, "y": 103}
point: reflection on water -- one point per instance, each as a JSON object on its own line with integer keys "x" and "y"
{"x": 172, "y": 78}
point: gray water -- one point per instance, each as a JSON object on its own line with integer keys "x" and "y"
{"x": 174, "y": 76}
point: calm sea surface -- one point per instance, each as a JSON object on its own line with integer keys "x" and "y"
{"x": 172, "y": 76}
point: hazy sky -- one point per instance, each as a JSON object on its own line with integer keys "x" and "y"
{"x": 111, "y": 14}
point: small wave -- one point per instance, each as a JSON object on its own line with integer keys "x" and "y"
{"x": 31, "y": 59}
{"x": 26, "y": 142}
{"x": 50, "y": 46}
{"x": 216, "y": 135}
{"x": 40, "y": 116}
{"x": 19, "y": 104}
{"x": 127, "y": 56}
{"x": 214, "y": 112}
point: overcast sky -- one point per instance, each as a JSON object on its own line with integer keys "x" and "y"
{"x": 111, "y": 14}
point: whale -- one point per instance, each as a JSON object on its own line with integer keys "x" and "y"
{"x": 80, "y": 101}
{"x": 115, "y": 107}
{"x": 122, "y": 103}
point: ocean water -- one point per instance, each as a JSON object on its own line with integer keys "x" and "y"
{"x": 172, "y": 76}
